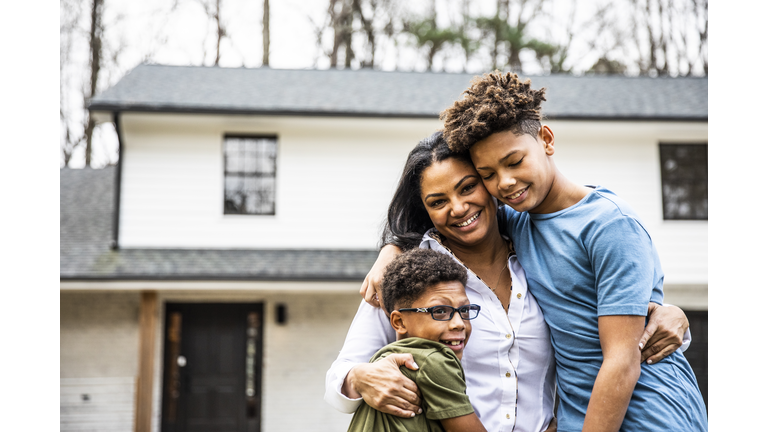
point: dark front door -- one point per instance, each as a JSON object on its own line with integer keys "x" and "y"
{"x": 212, "y": 367}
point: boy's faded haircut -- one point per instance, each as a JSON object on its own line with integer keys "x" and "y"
{"x": 409, "y": 275}
{"x": 493, "y": 103}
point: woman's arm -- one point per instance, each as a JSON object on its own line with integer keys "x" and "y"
{"x": 369, "y": 332}
{"x": 619, "y": 372}
{"x": 666, "y": 332}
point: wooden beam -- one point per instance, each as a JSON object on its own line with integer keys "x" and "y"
{"x": 147, "y": 331}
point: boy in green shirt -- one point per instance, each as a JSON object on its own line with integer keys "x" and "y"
{"x": 422, "y": 292}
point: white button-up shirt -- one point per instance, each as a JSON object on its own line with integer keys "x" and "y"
{"x": 508, "y": 361}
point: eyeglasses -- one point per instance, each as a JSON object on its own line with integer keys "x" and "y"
{"x": 445, "y": 313}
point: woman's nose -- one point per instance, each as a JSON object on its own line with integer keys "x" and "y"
{"x": 459, "y": 208}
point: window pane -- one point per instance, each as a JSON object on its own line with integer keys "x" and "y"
{"x": 249, "y": 175}
{"x": 684, "y": 181}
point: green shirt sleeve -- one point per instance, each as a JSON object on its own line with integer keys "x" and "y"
{"x": 443, "y": 389}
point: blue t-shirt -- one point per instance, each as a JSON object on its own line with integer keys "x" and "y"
{"x": 591, "y": 259}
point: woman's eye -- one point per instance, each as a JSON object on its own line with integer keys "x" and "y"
{"x": 469, "y": 188}
{"x": 436, "y": 203}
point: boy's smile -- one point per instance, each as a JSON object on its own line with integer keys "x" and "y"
{"x": 453, "y": 333}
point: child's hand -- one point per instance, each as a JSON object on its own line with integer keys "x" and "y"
{"x": 385, "y": 388}
{"x": 664, "y": 332}
{"x": 372, "y": 282}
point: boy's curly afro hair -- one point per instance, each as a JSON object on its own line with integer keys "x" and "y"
{"x": 493, "y": 103}
{"x": 409, "y": 275}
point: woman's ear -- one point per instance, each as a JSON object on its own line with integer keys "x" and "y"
{"x": 397, "y": 322}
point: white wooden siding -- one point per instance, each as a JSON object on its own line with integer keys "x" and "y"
{"x": 335, "y": 177}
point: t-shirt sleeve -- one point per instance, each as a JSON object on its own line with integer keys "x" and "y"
{"x": 443, "y": 389}
{"x": 622, "y": 258}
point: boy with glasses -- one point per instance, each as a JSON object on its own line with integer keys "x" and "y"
{"x": 423, "y": 293}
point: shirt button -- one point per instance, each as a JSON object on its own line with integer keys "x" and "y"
{"x": 519, "y": 295}
{"x": 507, "y": 415}
{"x": 509, "y": 374}
{"x": 508, "y": 336}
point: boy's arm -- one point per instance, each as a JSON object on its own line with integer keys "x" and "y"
{"x": 465, "y": 423}
{"x": 619, "y": 372}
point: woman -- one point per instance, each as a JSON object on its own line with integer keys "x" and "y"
{"x": 441, "y": 203}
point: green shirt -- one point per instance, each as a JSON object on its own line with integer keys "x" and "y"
{"x": 443, "y": 390}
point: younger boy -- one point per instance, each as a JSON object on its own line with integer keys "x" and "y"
{"x": 423, "y": 293}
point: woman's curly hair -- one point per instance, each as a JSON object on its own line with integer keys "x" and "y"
{"x": 493, "y": 103}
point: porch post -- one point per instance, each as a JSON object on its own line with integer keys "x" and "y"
{"x": 147, "y": 331}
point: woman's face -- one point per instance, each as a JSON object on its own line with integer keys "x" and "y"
{"x": 457, "y": 202}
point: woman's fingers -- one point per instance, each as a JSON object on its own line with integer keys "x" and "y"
{"x": 371, "y": 286}
{"x": 386, "y": 389}
{"x": 664, "y": 332}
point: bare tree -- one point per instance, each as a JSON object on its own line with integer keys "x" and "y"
{"x": 265, "y": 34}
{"x": 212, "y": 10}
{"x": 94, "y": 45}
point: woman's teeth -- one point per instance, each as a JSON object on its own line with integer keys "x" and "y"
{"x": 469, "y": 221}
{"x": 454, "y": 343}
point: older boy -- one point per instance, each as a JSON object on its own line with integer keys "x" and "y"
{"x": 423, "y": 293}
{"x": 589, "y": 261}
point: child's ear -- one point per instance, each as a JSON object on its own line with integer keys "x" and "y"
{"x": 396, "y": 320}
{"x": 548, "y": 137}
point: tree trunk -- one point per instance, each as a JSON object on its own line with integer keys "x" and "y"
{"x": 265, "y": 34}
{"x": 95, "y": 63}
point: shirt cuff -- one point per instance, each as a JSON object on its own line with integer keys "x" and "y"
{"x": 333, "y": 394}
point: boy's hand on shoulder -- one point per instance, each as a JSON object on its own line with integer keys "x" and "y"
{"x": 384, "y": 387}
{"x": 664, "y": 332}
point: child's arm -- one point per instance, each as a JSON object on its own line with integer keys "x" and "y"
{"x": 619, "y": 372}
{"x": 465, "y": 423}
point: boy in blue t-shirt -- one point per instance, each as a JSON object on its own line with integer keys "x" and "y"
{"x": 589, "y": 262}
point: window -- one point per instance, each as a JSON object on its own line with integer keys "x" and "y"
{"x": 249, "y": 175}
{"x": 684, "y": 181}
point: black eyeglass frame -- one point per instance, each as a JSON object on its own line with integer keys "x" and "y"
{"x": 469, "y": 308}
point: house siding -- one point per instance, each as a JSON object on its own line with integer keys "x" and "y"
{"x": 99, "y": 336}
{"x": 334, "y": 180}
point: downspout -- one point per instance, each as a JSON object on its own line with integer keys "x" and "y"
{"x": 114, "y": 244}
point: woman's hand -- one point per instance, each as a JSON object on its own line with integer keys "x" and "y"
{"x": 372, "y": 282}
{"x": 384, "y": 387}
{"x": 664, "y": 332}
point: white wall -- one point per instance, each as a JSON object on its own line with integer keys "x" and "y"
{"x": 99, "y": 336}
{"x": 624, "y": 157}
{"x": 335, "y": 177}
{"x": 334, "y": 180}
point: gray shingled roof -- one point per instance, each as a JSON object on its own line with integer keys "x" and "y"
{"x": 86, "y": 197}
{"x": 157, "y": 88}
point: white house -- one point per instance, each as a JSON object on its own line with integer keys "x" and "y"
{"x": 208, "y": 280}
